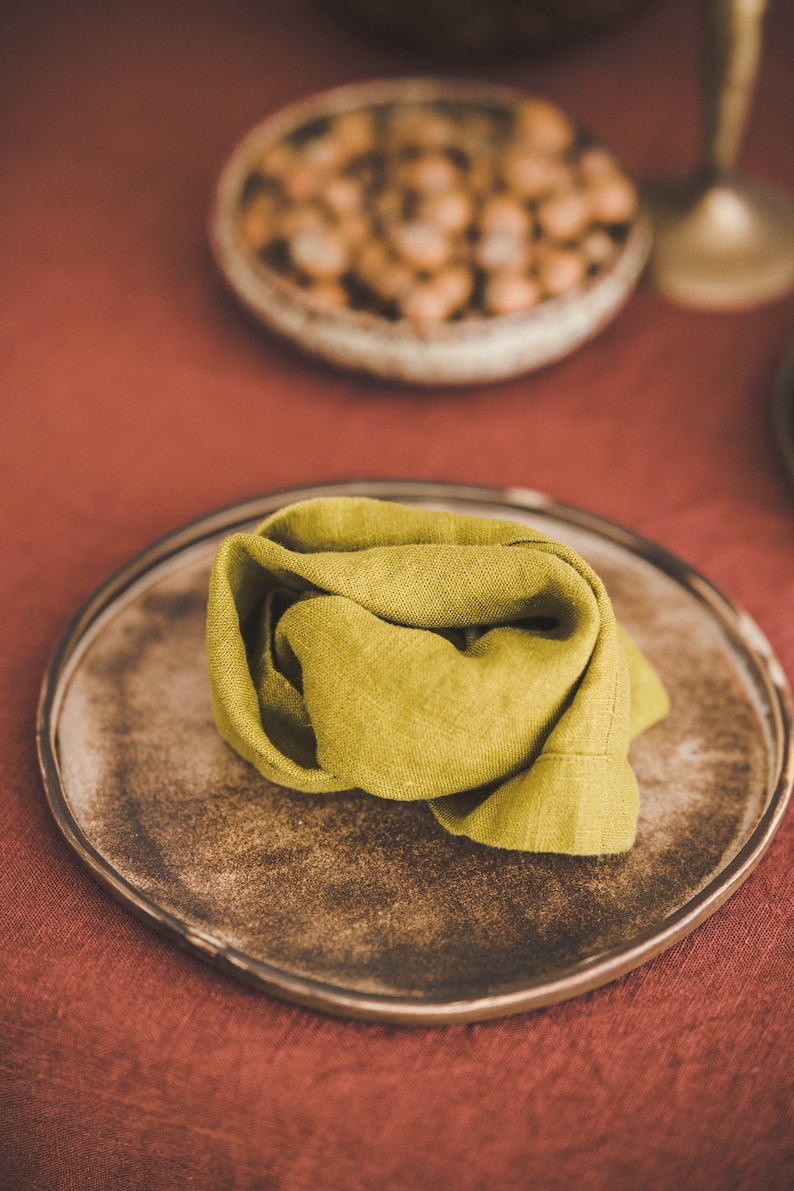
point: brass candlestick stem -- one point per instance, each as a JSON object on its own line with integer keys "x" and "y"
{"x": 723, "y": 242}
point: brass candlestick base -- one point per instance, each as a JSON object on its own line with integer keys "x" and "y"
{"x": 726, "y": 246}
{"x": 722, "y": 243}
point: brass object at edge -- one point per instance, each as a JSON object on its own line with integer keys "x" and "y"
{"x": 784, "y": 410}
{"x": 721, "y": 242}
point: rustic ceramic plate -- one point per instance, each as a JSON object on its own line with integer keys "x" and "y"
{"x": 450, "y": 353}
{"x": 368, "y": 908}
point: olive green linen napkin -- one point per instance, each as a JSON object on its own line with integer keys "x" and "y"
{"x": 473, "y": 663}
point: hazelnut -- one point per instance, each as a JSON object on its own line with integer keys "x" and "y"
{"x": 382, "y": 273}
{"x": 302, "y": 182}
{"x": 355, "y": 131}
{"x": 390, "y": 205}
{"x": 613, "y": 199}
{"x": 597, "y": 163}
{"x": 328, "y": 293}
{"x": 300, "y": 218}
{"x": 509, "y": 294}
{"x": 422, "y": 245}
{"x": 355, "y": 229}
{"x": 427, "y": 301}
{"x": 456, "y": 283}
{"x": 561, "y": 269}
{"x": 598, "y": 246}
{"x": 565, "y": 216}
{"x": 343, "y": 196}
{"x": 259, "y": 220}
{"x": 503, "y": 252}
{"x": 531, "y": 174}
{"x": 416, "y": 124}
{"x": 480, "y": 174}
{"x": 478, "y": 133}
{"x": 277, "y": 160}
{"x": 428, "y": 174}
{"x": 319, "y": 252}
{"x": 451, "y": 210}
{"x": 503, "y": 213}
{"x": 542, "y": 125}
{"x": 325, "y": 153}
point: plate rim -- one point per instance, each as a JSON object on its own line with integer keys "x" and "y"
{"x": 537, "y": 991}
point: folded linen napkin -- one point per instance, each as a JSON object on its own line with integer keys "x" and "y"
{"x": 473, "y": 663}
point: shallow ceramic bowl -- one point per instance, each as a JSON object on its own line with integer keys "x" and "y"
{"x": 445, "y": 353}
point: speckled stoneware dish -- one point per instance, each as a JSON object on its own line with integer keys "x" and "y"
{"x": 368, "y": 908}
{"x": 446, "y": 353}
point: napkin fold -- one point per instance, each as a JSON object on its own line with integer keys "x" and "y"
{"x": 472, "y": 663}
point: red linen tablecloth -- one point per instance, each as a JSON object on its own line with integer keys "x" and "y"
{"x": 136, "y": 396}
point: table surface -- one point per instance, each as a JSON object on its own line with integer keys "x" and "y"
{"x": 137, "y": 396}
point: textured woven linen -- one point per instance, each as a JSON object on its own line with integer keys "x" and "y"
{"x": 426, "y": 655}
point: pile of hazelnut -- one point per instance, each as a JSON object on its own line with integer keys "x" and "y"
{"x": 437, "y": 211}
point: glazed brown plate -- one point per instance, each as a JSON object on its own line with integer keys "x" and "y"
{"x": 369, "y": 908}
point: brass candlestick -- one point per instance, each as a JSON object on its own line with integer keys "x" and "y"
{"x": 723, "y": 242}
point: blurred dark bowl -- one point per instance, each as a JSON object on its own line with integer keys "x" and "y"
{"x": 466, "y": 29}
